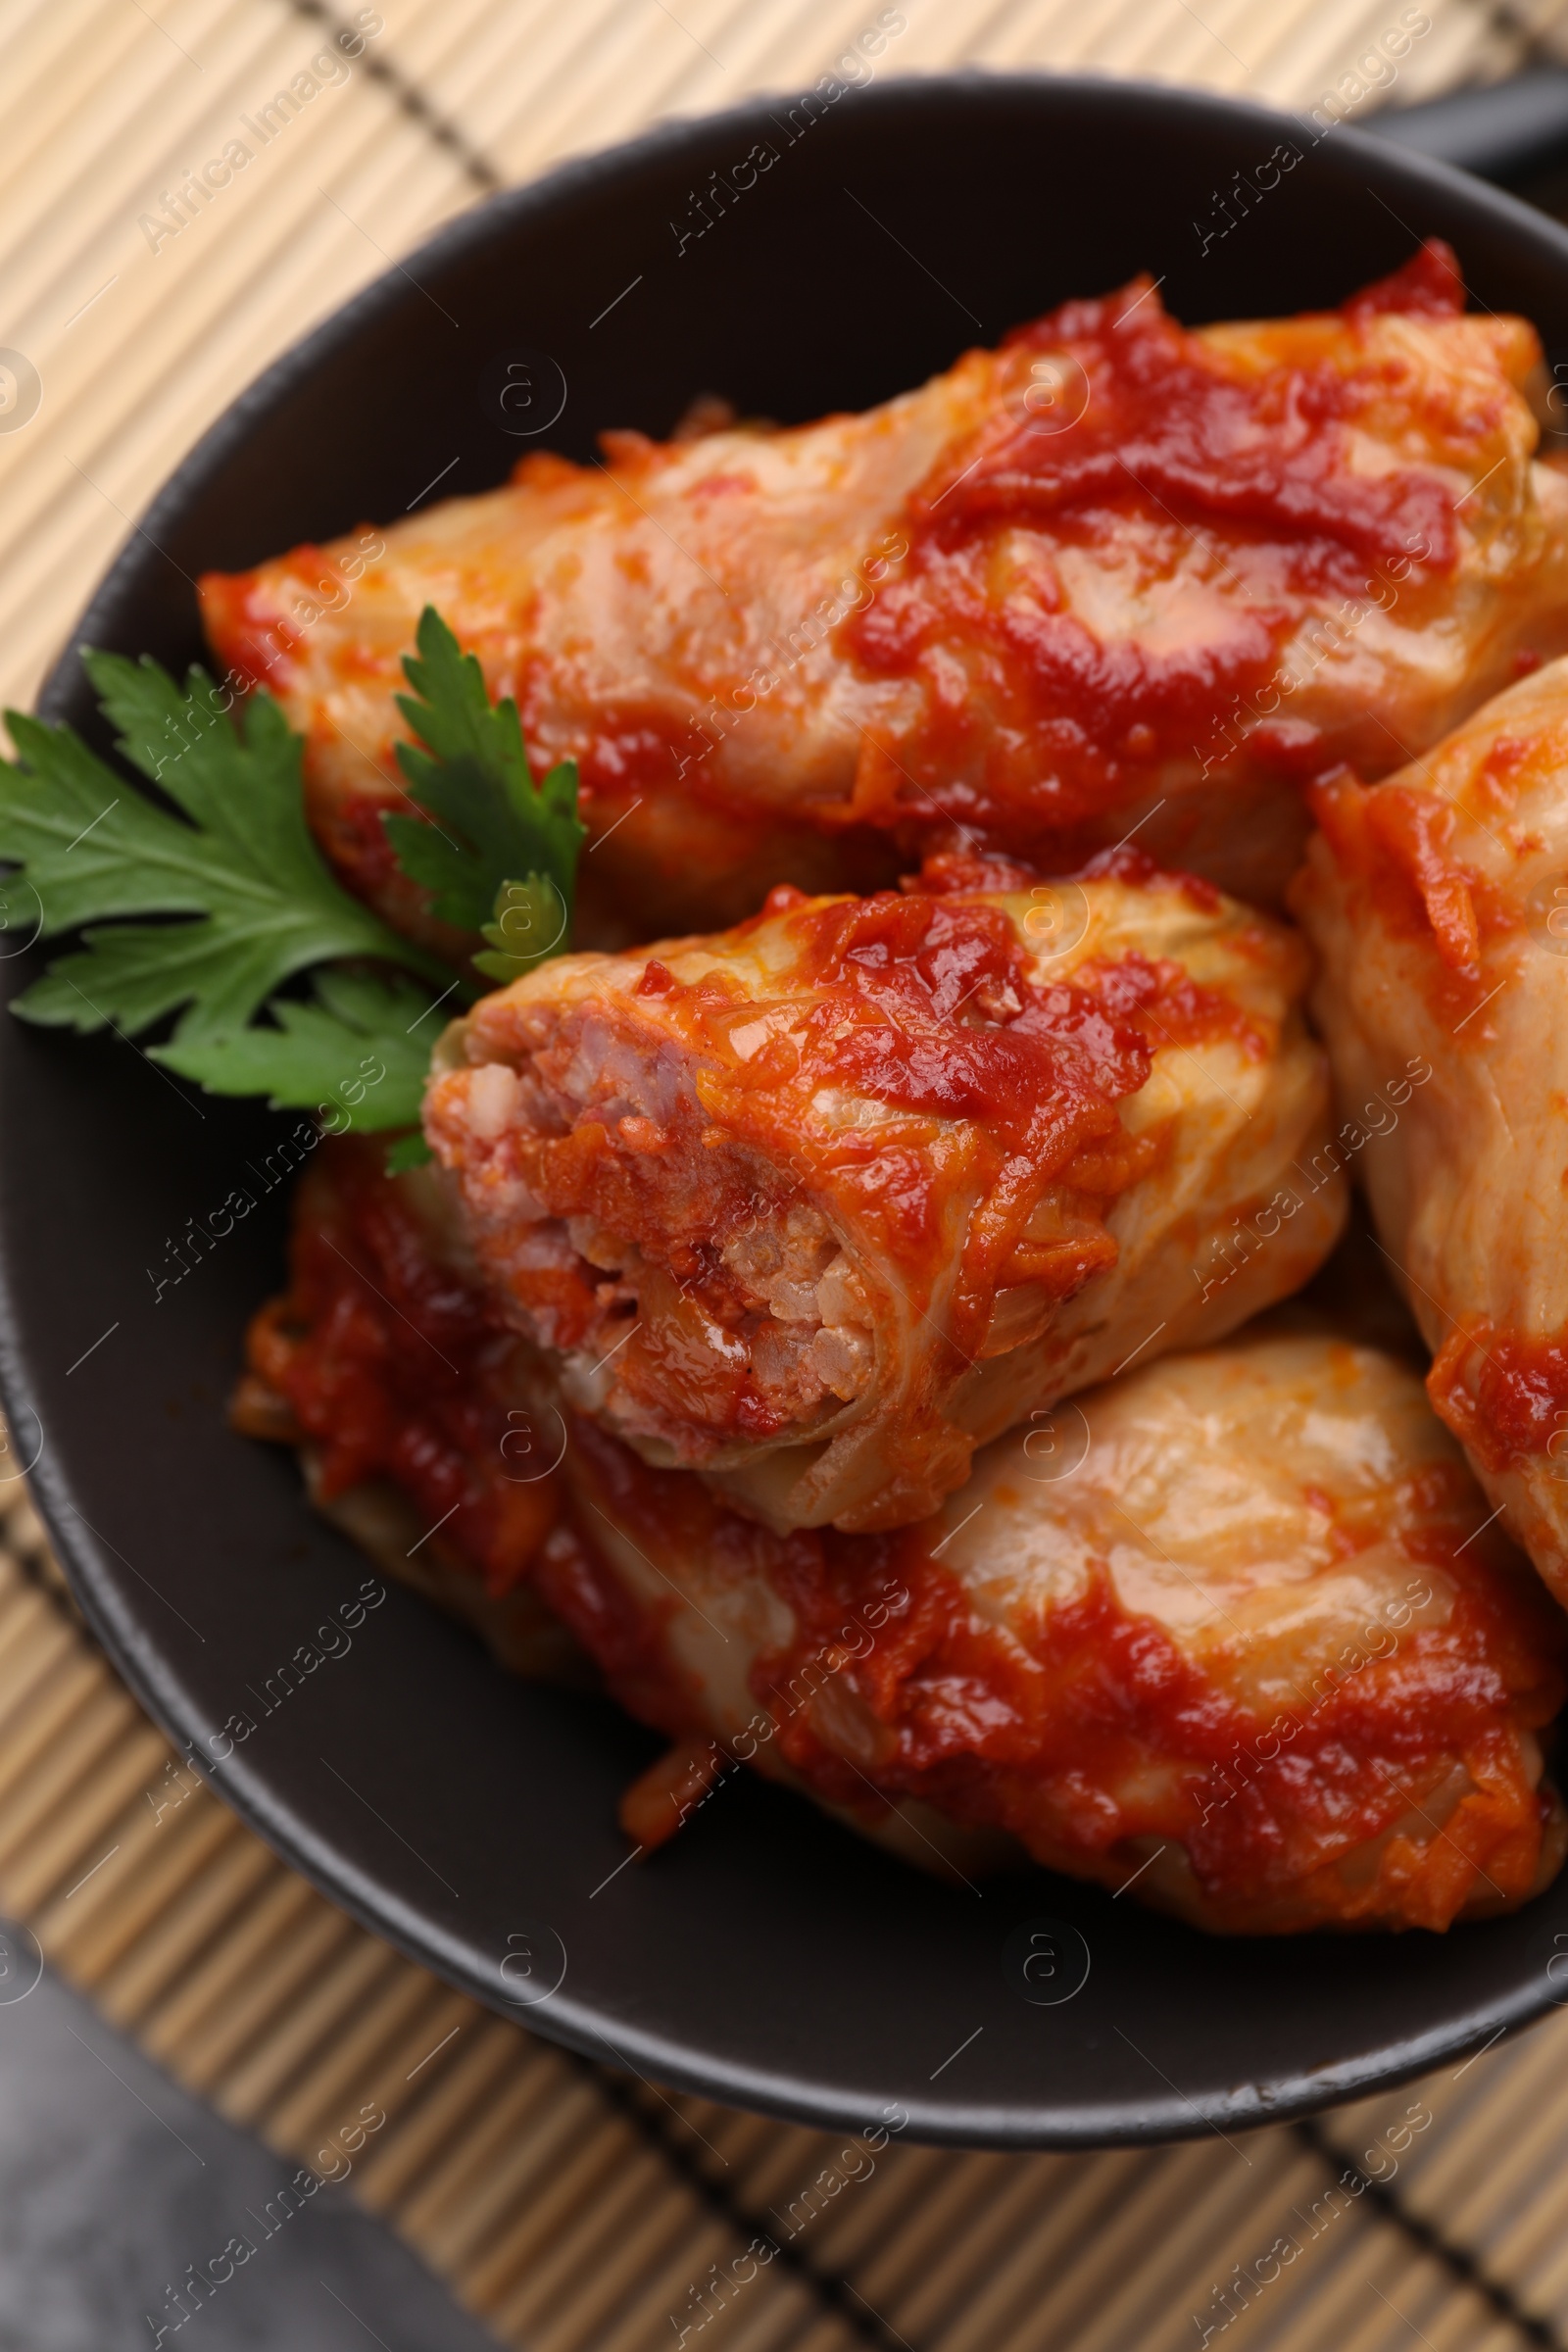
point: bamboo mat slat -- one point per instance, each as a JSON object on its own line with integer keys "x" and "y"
{"x": 572, "y": 2210}
{"x": 104, "y": 103}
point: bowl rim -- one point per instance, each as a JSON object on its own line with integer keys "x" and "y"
{"x": 479, "y": 222}
{"x": 289, "y": 1833}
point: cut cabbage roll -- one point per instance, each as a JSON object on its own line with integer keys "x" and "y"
{"x": 1114, "y": 573}
{"x": 1230, "y": 1632}
{"x": 1439, "y": 902}
{"x": 818, "y": 1204}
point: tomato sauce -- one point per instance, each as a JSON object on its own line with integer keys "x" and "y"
{"x": 1028, "y": 708}
{"x": 1047, "y": 1726}
{"x": 252, "y": 638}
{"x": 1503, "y": 1393}
{"x": 1002, "y": 1084}
{"x": 1398, "y": 840}
{"x": 1046, "y": 1734}
{"x": 1043, "y": 1726}
{"x": 931, "y": 1007}
{"x": 396, "y": 1367}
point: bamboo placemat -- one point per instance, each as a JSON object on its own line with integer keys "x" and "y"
{"x": 569, "y": 2208}
{"x": 572, "y": 2210}
{"x": 138, "y": 341}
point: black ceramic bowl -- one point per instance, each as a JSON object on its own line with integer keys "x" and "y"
{"x": 767, "y": 1958}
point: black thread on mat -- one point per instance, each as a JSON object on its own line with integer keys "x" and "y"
{"x": 835, "y": 2295}
{"x": 1463, "y": 2264}
{"x": 410, "y": 97}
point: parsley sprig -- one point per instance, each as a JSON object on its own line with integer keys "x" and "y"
{"x": 469, "y": 772}
{"x": 246, "y": 903}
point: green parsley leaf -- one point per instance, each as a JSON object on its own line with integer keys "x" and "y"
{"x": 260, "y": 904}
{"x": 240, "y": 861}
{"x": 492, "y": 824}
{"x": 530, "y": 924}
{"x": 359, "y": 1047}
{"x": 409, "y": 1152}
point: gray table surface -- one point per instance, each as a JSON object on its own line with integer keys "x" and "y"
{"x": 114, "y": 2182}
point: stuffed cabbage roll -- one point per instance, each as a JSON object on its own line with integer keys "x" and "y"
{"x": 1439, "y": 902}
{"x": 385, "y": 1362}
{"x": 1227, "y": 1632}
{"x": 817, "y": 1205}
{"x": 1112, "y": 574}
{"x": 1230, "y": 1632}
